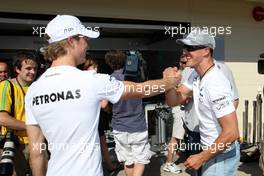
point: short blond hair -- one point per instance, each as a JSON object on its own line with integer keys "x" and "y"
{"x": 55, "y": 50}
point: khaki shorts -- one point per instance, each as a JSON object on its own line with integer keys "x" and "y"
{"x": 177, "y": 129}
{"x": 132, "y": 148}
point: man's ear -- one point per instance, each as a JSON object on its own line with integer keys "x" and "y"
{"x": 17, "y": 70}
{"x": 207, "y": 52}
{"x": 71, "y": 41}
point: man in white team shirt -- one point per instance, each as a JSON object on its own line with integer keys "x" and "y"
{"x": 212, "y": 97}
{"x": 191, "y": 120}
{"x": 63, "y": 105}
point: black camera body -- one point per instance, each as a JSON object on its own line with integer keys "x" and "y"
{"x": 135, "y": 67}
{"x": 6, "y": 162}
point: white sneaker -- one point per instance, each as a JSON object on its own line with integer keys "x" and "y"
{"x": 171, "y": 167}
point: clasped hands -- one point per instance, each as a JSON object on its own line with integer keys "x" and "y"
{"x": 173, "y": 75}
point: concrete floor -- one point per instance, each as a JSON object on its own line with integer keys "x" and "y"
{"x": 154, "y": 169}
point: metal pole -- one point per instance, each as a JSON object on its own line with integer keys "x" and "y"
{"x": 250, "y": 132}
{"x": 244, "y": 128}
{"x": 156, "y": 141}
{"x": 163, "y": 131}
{"x": 263, "y": 132}
{"x": 159, "y": 127}
{"x": 259, "y": 115}
{"x": 246, "y": 120}
{"x": 254, "y": 121}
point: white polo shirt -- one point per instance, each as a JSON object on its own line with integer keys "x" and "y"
{"x": 229, "y": 75}
{"x": 212, "y": 97}
{"x": 65, "y": 103}
{"x": 191, "y": 119}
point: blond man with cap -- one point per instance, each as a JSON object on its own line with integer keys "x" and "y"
{"x": 212, "y": 96}
{"x": 64, "y": 103}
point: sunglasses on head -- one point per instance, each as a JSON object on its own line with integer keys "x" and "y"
{"x": 190, "y": 48}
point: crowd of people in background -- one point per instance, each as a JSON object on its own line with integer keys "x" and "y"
{"x": 12, "y": 107}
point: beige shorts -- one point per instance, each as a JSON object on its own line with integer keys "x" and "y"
{"x": 177, "y": 129}
{"x": 132, "y": 147}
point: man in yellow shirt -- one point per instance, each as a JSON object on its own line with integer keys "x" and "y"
{"x": 25, "y": 65}
{"x": 3, "y": 71}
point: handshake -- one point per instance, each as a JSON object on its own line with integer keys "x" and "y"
{"x": 173, "y": 75}
{"x": 171, "y": 79}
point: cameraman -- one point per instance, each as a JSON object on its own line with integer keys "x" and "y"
{"x": 25, "y": 65}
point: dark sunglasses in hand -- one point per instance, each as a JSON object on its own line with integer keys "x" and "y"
{"x": 190, "y": 48}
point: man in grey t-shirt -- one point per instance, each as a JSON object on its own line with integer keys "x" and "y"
{"x": 129, "y": 124}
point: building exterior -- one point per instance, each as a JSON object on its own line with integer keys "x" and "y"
{"x": 241, "y": 45}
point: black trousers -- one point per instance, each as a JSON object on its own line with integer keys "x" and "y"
{"x": 193, "y": 143}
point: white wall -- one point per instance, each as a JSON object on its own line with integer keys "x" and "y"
{"x": 248, "y": 82}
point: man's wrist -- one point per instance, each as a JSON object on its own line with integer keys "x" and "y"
{"x": 206, "y": 155}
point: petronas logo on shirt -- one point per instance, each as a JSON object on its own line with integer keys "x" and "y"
{"x": 55, "y": 97}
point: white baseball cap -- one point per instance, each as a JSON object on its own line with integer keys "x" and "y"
{"x": 198, "y": 37}
{"x": 64, "y": 26}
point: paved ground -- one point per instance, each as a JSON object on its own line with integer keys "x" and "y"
{"x": 154, "y": 169}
